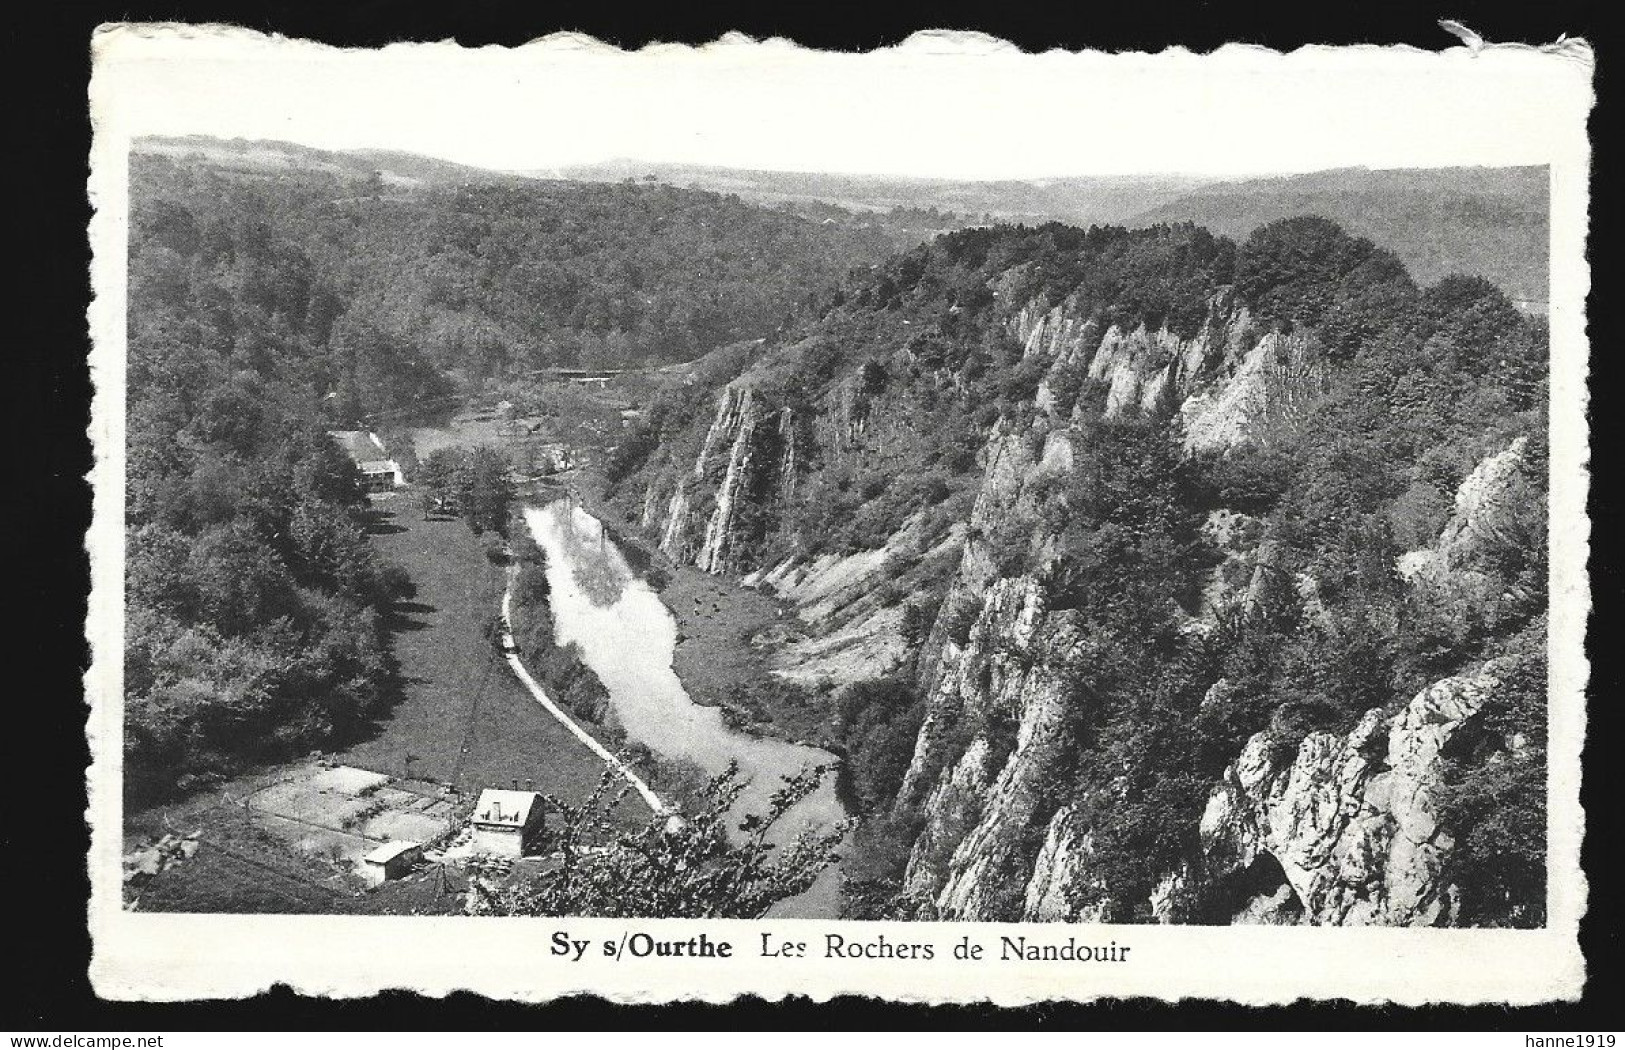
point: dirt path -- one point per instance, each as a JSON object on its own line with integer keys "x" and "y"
{"x": 463, "y": 718}
{"x": 518, "y": 667}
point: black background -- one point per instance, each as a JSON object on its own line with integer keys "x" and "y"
{"x": 42, "y": 833}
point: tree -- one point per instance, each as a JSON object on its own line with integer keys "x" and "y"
{"x": 1493, "y": 797}
{"x": 703, "y": 865}
{"x": 914, "y": 625}
{"x": 877, "y": 722}
{"x": 471, "y": 482}
{"x": 1291, "y": 270}
{"x": 872, "y": 378}
{"x": 488, "y": 494}
{"x": 440, "y": 476}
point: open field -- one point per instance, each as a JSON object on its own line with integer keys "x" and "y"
{"x": 343, "y": 812}
{"x": 463, "y": 719}
{"x": 286, "y": 839}
{"x": 240, "y": 864}
{"x": 250, "y": 861}
{"x": 717, "y": 661}
{"x": 716, "y": 619}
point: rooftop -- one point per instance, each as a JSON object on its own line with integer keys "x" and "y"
{"x": 501, "y": 808}
{"x": 390, "y": 850}
{"x": 360, "y": 445}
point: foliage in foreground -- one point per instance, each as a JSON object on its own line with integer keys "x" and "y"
{"x": 709, "y": 864}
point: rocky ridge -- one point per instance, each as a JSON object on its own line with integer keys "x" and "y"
{"x": 1342, "y": 828}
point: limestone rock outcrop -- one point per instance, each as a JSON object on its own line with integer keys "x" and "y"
{"x": 1224, "y": 382}
{"x": 988, "y": 807}
{"x": 746, "y": 461}
{"x": 1343, "y": 830}
{"x": 1493, "y": 509}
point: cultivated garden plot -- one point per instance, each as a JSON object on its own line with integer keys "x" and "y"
{"x": 343, "y": 812}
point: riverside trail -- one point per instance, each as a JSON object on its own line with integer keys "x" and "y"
{"x": 510, "y": 652}
{"x": 627, "y": 637}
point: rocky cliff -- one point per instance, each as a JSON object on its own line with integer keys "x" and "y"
{"x": 1324, "y": 806}
{"x": 996, "y": 733}
{"x": 743, "y": 464}
{"x": 1344, "y": 830}
{"x": 1226, "y": 382}
{"x": 1341, "y": 829}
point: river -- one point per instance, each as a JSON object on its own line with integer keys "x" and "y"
{"x": 628, "y": 637}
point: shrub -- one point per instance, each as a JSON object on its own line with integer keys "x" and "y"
{"x": 1493, "y": 797}
{"x": 694, "y": 867}
{"x": 877, "y": 722}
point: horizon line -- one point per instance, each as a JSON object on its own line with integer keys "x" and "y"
{"x": 538, "y": 172}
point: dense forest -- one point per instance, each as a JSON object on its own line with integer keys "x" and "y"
{"x": 905, "y": 387}
{"x": 254, "y": 606}
{"x": 266, "y": 309}
{"x": 387, "y": 294}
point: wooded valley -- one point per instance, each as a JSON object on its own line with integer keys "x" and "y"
{"x": 1160, "y": 511}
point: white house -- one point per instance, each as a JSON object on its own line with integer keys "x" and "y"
{"x": 379, "y": 473}
{"x": 506, "y": 823}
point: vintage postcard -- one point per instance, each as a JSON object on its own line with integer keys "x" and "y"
{"x": 947, "y": 524}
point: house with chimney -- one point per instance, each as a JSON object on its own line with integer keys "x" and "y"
{"x": 506, "y": 823}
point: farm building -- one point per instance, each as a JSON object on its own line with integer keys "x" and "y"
{"x": 506, "y": 822}
{"x": 379, "y": 473}
{"x": 390, "y": 861}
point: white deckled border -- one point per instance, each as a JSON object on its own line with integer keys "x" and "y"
{"x": 168, "y": 957}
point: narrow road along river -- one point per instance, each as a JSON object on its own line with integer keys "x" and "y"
{"x": 627, "y": 637}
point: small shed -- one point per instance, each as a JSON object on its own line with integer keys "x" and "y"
{"x": 506, "y": 823}
{"x": 390, "y": 861}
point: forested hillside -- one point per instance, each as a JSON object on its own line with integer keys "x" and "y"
{"x": 394, "y": 289}
{"x": 1217, "y": 573}
{"x": 1489, "y": 222}
{"x": 253, "y": 603}
{"x": 267, "y": 306}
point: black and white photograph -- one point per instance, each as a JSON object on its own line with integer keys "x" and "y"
{"x": 947, "y": 489}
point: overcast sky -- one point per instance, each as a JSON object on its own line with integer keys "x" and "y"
{"x": 970, "y": 110}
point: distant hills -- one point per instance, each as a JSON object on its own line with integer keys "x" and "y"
{"x": 1492, "y": 222}
{"x": 1085, "y": 199}
{"x": 266, "y": 156}
{"x": 1486, "y": 221}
